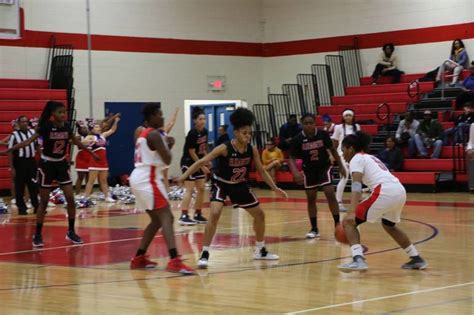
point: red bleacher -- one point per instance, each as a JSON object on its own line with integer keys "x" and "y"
{"x": 387, "y": 88}
{"x": 360, "y": 109}
{"x": 21, "y": 97}
{"x": 406, "y": 78}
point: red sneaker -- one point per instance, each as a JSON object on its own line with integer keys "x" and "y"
{"x": 177, "y": 265}
{"x": 139, "y": 262}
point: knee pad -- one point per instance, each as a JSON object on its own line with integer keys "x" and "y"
{"x": 388, "y": 223}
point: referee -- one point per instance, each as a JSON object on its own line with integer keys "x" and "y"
{"x": 23, "y": 165}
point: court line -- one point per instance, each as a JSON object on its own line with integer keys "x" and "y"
{"x": 382, "y": 298}
{"x": 125, "y": 240}
{"x": 263, "y": 267}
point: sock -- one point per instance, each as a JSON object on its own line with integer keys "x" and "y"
{"x": 314, "y": 223}
{"x": 140, "y": 252}
{"x": 357, "y": 250}
{"x": 173, "y": 253}
{"x": 411, "y": 251}
{"x": 336, "y": 218}
{"x": 260, "y": 245}
{"x": 72, "y": 222}
{"x": 197, "y": 211}
{"x": 184, "y": 211}
{"x": 206, "y": 248}
{"x": 39, "y": 228}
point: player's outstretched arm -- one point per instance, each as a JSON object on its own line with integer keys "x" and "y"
{"x": 21, "y": 144}
{"x": 172, "y": 121}
{"x": 266, "y": 177}
{"x": 112, "y": 130}
{"x": 220, "y": 150}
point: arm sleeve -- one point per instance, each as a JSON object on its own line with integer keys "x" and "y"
{"x": 11, "y": 141}
{"x": 357, "y": 164}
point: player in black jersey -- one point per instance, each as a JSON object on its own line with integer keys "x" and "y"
{"x": 195, "y": 148}
{"x": 312, "y": 146}
{"x": 56, "y": 134}
{"x": 230, "y": 180}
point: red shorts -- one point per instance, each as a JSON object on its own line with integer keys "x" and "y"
{"x": 83, "y": 161}
{"x": 101, "y": 164}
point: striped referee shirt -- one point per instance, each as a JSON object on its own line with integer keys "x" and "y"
{"x": 18, "y": 136}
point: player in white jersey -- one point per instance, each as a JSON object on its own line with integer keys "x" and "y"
{"x": 347, "y": 127}
{"x": 152, "y": 155}
{"x": 385, "y": 203}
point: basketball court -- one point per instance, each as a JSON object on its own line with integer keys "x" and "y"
{"x": 95, "y": 277}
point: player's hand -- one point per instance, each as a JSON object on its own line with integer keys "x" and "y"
{"x": 171, "y": 141}
{"x": 281, "y": 193}
{"x": 350, "y": 218}
{"x": 205, "y": 170}
{"x": 343, "y": 172}
{"x": 298, "y": 178}
{"x": 95, "y": 156}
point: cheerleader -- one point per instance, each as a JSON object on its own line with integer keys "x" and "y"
{"x": 82, "y": 158}
{"x": 347, "y": 127}
{"x": 100, "y": 168}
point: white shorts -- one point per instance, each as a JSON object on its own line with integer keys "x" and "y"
{"x": 147, "y": 185}
{"x": 385, "y": 202}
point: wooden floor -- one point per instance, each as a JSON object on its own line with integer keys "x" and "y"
{"x": 95, "y": 278}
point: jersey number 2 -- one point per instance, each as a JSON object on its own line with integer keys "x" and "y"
{"x": 379, "y": 163}
{"x": 59, "y": 147}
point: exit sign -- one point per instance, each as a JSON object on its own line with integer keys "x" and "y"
{"x": 216, "y": 83}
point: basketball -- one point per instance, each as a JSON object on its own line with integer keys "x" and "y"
{"x": 340, "y": 234}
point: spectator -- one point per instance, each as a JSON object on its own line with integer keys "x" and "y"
{"x": 467, "y": 93}
{"x": 387, "y": 65}
{"x": 23, "y": 165}
{"x": 406, "y": 131}
{"x": 391, "y": 156}
{"x": 458, "y": 60}
{"x": 328, "y": 124}
{"x": 288, "y": 131}
{"x": 428, "y": 135}
{"x": 461, "y": 126}
{"x": 272, "y": 158}
{"x": 223, "y": 136}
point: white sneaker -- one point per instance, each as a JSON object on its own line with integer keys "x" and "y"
{"x": 312, "y": 234}
{"x": 357, "y": 264}
{"x": 29, "y": 205}
{"x": 110, "y": 200}
{"x": 263, "y": 254}
{"x": 342, "y": 208}
{"x": 13, "y": 201}
{"x": 203, "y": 263}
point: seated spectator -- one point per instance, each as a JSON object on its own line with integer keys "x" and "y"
{"x": 223, "y": 136}
{"x": 461, "y": 126}
{"x": 470, "y": 157}
{"x": 467, "y": 93}
{"x": 406, "y": 131}
{"x": 272, "y": 158}
{"x": 458, "y": 60}
{"x": 391, "y": 156}
{"x": 429, "y": 134}
{"x": 328, "y": 124}
{"x": 288, "y": 131}
{"x": 387, "y": 65}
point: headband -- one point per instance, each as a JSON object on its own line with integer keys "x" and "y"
{"x": 348, "y": 112}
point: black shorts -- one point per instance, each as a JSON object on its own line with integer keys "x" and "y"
{"x": 197, "y": 175}
{"x": 239, "y": 194}
{"x": 49, "y": 171}
{"x": 317, "y": 178}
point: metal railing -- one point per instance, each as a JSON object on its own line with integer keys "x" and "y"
{"x": 322, "y": 73}
{"x": 310, "y": 92}
{"x": 383, "y": 113}
{"x": 296, "y": 103}
{"x": 352, "y": 63}
{"x": 338, "y": 75}
{"x": 265, "y": 127}
{"x": 281, "y": 106}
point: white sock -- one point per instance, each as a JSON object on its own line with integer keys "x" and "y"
{"x": 206, "y": 248}
{"x": 411, "y": 251}
{"x": 357, "y": 250}
{"x": 260, "y": 245}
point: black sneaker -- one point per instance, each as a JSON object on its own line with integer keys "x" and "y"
{"x": 415, "y": 263}
{"x": 37, "y": 241}
{"x": 204, "y": 260}
{"x": 184, "y": 219}
{"x": 74, "y": 238}
{"x": 199, "y": 219}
